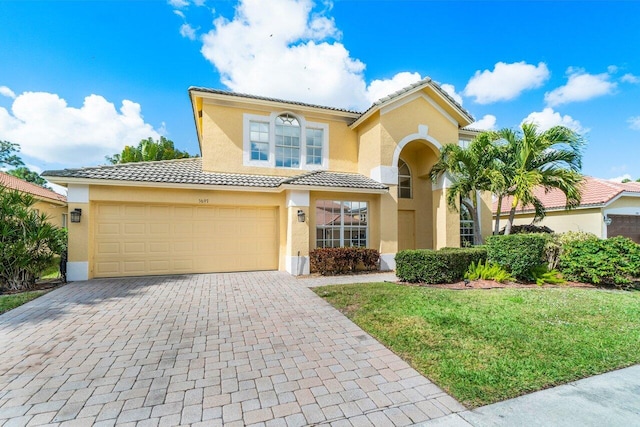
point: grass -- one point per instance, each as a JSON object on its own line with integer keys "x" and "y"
{"x": 484, "y": 346}
{"x": 11, "y": 301}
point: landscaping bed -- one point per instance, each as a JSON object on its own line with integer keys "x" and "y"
{"x": 488, "y": 345}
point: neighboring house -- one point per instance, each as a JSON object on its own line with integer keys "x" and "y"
{"x": 607, "y": 209}
{"x": 52, "y": 204}
{"x": 276, "y": 179}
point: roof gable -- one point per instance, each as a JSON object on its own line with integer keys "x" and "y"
{"x": 10, "y": 181}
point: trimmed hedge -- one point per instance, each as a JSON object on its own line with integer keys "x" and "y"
{"x": 519, "y": 254}
{"x": 613, "y": 262}
{"x": 330, "y": 261}
{"x": 446, "y": 265}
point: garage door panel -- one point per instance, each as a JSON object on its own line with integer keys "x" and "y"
{"x": 137, "y": 239}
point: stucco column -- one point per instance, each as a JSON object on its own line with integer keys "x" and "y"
{"x": 446, "y": 223}
{"x": 79, "y": 248}
{"x": 297, "y": 253}
{"x": 388, "y": 228}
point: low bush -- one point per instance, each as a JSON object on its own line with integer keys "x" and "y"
{"x": 519, "y": 254}
{"x": 613, "y": 262}
{"x": 542, "y": 275}
{"x": 443, "y": 266}
{"x": 330, "y": 261}
{"x": 554, "y": 247}
{"x": 528, "y": 229}
{"x": 488, "y": 271}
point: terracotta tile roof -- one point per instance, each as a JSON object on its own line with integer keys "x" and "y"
{"x": 189, "y": 171}
{"x": 10, "y": 181}
{"x": 595, "y": 192}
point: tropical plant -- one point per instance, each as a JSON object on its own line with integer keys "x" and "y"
{"x": 28, "y": 175}
{"x": 149, "y": 150}
{"x": 471, "y": 169}
{"x": 488, "y": 271}
{"x": 542, "y": 275}
{"x": 532, "y": 159}
{"x": 28, "y": 242}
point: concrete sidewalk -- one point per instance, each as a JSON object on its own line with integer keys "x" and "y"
{"x": 611, "y": 399}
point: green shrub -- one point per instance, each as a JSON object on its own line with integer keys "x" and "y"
{"x": 444, "y": 266}
{"x": 488, "y": 271}
{"x": 554, "y": 247}
{"x": 614, "y": 262}
{"x": 519, "y": 254}
{"x": 330, "y": 261}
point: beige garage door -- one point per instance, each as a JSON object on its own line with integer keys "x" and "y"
{"x": 137, "y": 239}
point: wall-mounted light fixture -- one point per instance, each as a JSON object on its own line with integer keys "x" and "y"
{"x": 607, "y": 220}
{"x": 76, "y": 214}
{"x": 301, "y": 215}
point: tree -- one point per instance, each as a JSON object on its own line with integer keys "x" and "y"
{"x": 28, "y": 175}
{"x": 8, "y": 156}
{"x": 149, "y": 150}
{"x": 551, "y": 160}
{"x": 472, "y": 169}
{"x": 28, "y": 242}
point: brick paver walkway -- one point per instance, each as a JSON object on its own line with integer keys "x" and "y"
{"x": 210, "y": 349}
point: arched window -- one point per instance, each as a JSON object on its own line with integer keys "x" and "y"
{"x": 287, "y": 142}
{"x": 466, "y": 227}
{"x": 404, "y": 180}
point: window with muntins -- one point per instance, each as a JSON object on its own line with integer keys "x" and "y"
{"x": 404, "y": 180}
{"x": 466, "y": 227}
{"x": 341, "y": 224}
{"x": 259, "y": 135}
{"x": 287, "y": 141}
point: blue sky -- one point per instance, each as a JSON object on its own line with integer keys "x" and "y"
{"x": 79, "y": 80}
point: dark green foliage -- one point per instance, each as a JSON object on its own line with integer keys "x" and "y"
{"x": 8, "y": 156}
{"x": 518, "y": 253}
{"x": 28, "y": 175}
{"x": 446, "y": 265}
{"x": 528, "y": 229}
{"x": 149, "y": 150}
{"x": 28, "y": 243}
{"x": 613, "y": 262}
{"x": 330, "y": 261}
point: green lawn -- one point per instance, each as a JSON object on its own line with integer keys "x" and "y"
{"x": 484, "y": 346}
{"x": 8, "y": 302}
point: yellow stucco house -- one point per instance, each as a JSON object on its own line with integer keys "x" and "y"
{"x": 276, "y": 179}
{"x": 48, "y": 202}
{"x": 607, "y": 209}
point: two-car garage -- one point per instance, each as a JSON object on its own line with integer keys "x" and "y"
{"x": 134, "y": 239}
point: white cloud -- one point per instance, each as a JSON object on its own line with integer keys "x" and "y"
{"x": 188, "y": 31}
{"x": 288, "y": 49}
{"x": 5, "y": 91}
{"x": 179, "y": 13}
{"x": 178, "y": 3}
{"x": 581, "y": 86}
{"x": 506, "y": 81}
{"x": 630, "y": 78}
{"x": 488, "y": 122}
{"x": 634, "y": 122}
{"x": 620, "y": 178}
{"x": 451, "y": 90}
{"x": 547, "y": 118}
{"x": 48, "y": 129}
{"x": 380, "y": 88}
{"x": 612, "y": 69}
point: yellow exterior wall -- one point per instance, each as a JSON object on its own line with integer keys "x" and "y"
{"x": 80, "y": 235}
{"x": 486, "y": 216}
{"x": 99, "y": 193}
{"x": 587, "y": 220}
{"x": 53, "y": 211}
{"x": 369, "y": 145}
{"x": 222, "y": 142}
{"x": 630, "y": 203}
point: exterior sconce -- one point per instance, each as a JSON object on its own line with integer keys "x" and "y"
{"x": 607, "y": 221}
{"x": 76, "y": 214}
{"x": 301, "y": 215}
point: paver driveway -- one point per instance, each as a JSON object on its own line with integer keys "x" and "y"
{"x": 232, "y": 349}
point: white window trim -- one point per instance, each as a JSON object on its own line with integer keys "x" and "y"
{"x": 271, "y": 162}
{"x": 410, "y": 176}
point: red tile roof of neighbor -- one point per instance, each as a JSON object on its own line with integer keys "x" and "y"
{"x": 10, "y": 181}
{"x": 595, "y": 192}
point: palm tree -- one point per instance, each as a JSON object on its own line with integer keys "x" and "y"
{"x": 551, "y": 160}
{"x": 471, "y": 170}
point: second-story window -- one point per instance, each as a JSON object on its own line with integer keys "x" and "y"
{"x": 287, "y": 141}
